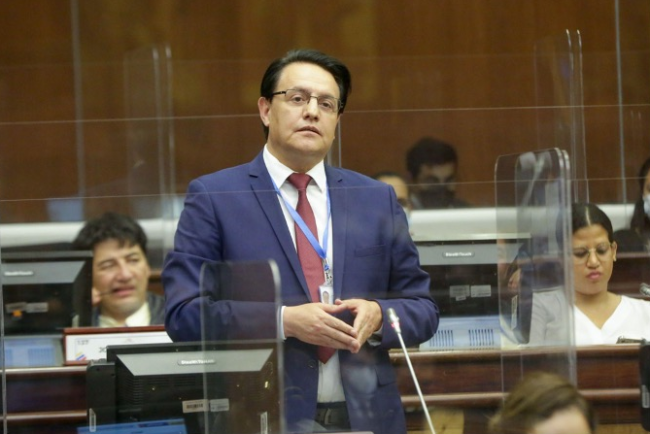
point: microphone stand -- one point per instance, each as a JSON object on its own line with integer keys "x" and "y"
{"x": 394, "y": 322}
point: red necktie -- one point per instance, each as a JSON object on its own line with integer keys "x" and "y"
{"x": 311, "y": 263}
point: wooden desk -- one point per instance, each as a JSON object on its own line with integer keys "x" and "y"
{"x": 46, "y": 400}
{"x": 155, "y": 282}
{"x": 472, "y": 381}
{"x": 53, "y": 400}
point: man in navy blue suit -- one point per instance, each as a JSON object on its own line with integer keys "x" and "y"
{"x": 338, "y": 374}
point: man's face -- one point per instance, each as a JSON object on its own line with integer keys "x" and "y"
{"x": 300, "y": 137}
{"x": 437, "y": 174}
{"x": 120, "y": 278}
{"x": 436, "y": 184}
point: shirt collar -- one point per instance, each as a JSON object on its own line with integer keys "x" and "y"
{"x": 279, "y": 172}
{"x": 141, "y": 317}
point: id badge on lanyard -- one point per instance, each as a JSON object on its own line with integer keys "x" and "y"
{"x": 326, "y": 290}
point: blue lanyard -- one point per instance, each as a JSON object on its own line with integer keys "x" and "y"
{"x": 320, "y": 250}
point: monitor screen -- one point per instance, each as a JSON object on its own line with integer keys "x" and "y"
{"x": 229, "y": 387}
{"x": 463, "y": 275}
{"x": 45, "y": 291}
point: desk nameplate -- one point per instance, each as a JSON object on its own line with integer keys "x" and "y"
{"x": 84, "y": 344}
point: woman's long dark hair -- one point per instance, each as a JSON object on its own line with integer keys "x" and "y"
{"x": 640, "y": 222}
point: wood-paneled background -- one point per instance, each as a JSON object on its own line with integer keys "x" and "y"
{"x": 471, "y": 72}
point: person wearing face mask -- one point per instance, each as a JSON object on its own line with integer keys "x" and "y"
{"x": 640, "y": 222}
{"x": 432, "y": 165}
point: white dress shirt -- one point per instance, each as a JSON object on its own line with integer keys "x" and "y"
{"x": 631, "y": 319}
{"x": 141, "y": 317}
{"x": 330, "y": 388}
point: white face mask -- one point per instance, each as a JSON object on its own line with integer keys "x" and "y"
{"x": 646, "y": 205}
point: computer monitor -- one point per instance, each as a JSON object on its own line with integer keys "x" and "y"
{"x": 464, "y": 283}
{"x": 45, "y": 291}
{"x": 231, "y": 387}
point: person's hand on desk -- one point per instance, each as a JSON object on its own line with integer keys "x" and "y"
{"x": 316, "y": 324}
{"x": 367, "y": 317}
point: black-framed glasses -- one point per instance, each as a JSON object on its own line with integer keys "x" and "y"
{"x": 300, "y": 97}
{"x": 602, "y": 251}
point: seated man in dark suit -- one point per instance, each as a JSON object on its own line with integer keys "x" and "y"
{"x": 120, "y": 272}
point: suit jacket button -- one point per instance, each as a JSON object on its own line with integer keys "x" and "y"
{"x": 312, "y": 363}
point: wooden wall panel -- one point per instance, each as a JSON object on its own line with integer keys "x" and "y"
{"x": 461, "y": 70}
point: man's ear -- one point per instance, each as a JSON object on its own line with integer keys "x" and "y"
{"x": 96, "y": 297}
{"x": 147, "y": 269}
{"x": 264, "y": 106}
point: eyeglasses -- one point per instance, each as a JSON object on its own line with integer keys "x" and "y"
{"x": 300, "y": 97}
{"x": 581, "y": 255}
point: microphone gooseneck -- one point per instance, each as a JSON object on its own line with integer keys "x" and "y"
{"x": 394, "y": 322}
{"x": 643, "y": 289}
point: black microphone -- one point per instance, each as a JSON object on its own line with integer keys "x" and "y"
{"x": 394, "y": 322}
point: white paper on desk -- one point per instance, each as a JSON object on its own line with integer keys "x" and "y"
{"x": 92, "y": 346}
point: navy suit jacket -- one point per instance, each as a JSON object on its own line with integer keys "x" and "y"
{"x": 235, "y": 215}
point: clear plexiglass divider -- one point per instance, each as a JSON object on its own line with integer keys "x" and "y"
{"x": 465, "y": 251}
{"x": 52, "y": 344}
{"x": 242, "y": 353}
{"x": 535, "y": 277}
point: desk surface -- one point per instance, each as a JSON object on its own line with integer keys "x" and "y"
{"x": 467, "y": 380}
{"x": 608, "y": 376}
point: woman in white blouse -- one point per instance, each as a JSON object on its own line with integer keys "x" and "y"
{"x": 601, "y": 317}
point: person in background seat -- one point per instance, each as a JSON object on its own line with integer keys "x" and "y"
{"x": 640, "y": 222}
{"x": 433, "y": 166}
{"x": 400, "y": 186}
{"x": 120, "y": 272}
{"x": 544, "y": 403}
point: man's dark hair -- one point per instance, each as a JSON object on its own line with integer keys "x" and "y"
{"x": 111, "y": 226}
{"x": 431, "y": 152}
{"x": 334, "y": 66}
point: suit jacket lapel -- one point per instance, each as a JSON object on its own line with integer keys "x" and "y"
{"x": 267, "y": 198}
{"x": 339, "y": 206}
